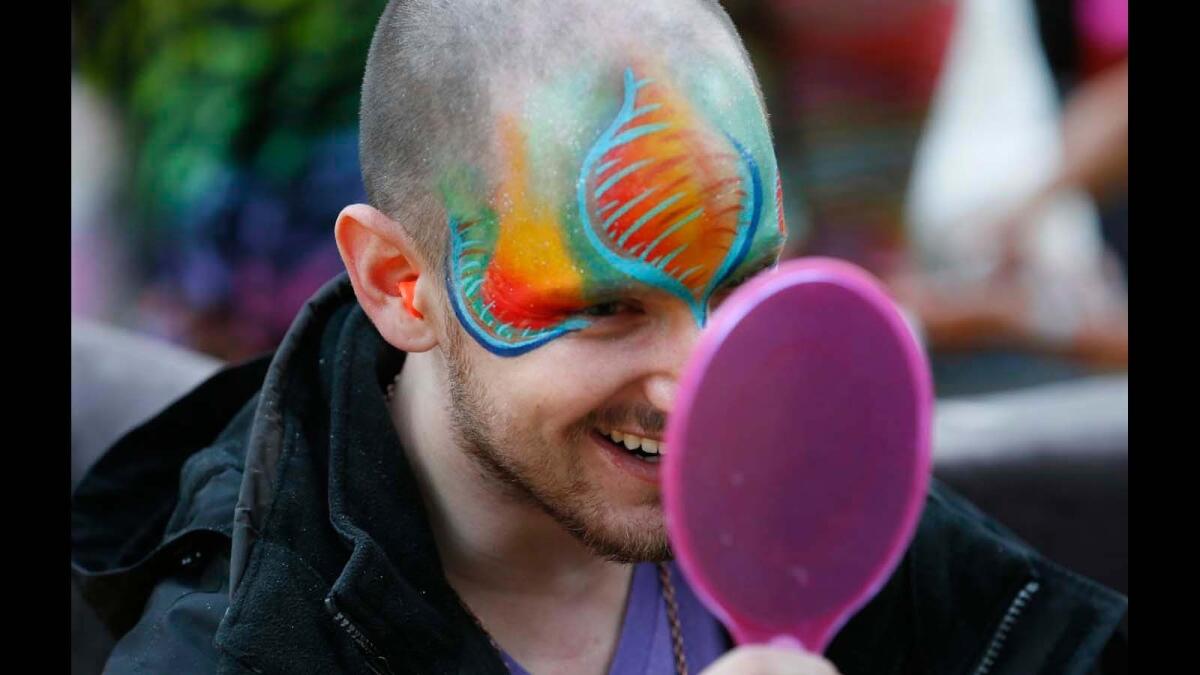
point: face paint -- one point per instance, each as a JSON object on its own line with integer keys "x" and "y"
{"x": 667, "y": 201}
{"x": 665, "y": 198}
{"x": 512, "y": 280}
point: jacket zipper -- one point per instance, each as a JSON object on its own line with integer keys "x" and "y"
{"x": 1006, "y": 624}
{"x": 375, "y": 660}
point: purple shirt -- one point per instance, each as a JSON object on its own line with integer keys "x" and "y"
{"x": 644, "y": 646}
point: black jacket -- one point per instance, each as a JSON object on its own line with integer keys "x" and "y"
{"x": 269, "y": 522}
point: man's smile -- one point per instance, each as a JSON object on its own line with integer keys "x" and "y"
{"x": 640, "y": 445}
{"x": 637, "y": 461}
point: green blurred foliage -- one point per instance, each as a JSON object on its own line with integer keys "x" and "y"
{"x": 204, "y": 85}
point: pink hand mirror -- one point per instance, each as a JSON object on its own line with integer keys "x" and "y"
{"x": 798, "y": 452}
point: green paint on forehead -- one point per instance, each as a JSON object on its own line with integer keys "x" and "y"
{"x": 611, "y": 180}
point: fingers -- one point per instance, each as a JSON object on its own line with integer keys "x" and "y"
{"x": 761, "y": 660}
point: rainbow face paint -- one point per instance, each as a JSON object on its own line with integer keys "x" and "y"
{"x": 676, "y": 192}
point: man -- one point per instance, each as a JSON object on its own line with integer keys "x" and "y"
{"x": 450, "y": 464}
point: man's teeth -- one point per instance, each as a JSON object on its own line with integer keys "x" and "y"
{"x": 646, "y": 445}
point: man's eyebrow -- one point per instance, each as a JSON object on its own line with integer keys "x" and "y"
{"x": 766, "y": 261}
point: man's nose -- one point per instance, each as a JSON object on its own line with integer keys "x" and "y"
{"x": 675, "y": 347}
{"x": 660, "y": 391}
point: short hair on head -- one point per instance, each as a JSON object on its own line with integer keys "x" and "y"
{"x": 434, "y": 67}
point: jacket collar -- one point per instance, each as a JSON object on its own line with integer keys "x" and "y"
{"x": 323, "y": 420}
{"x": 165, "y": 489}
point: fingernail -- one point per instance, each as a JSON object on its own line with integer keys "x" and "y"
{"x": 786, "y": 641}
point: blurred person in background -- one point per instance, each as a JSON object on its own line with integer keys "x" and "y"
{"x": 852, "y": 84}
{"x": 916, "y": 132}
{"x": 99, "y": 262}
{"x": 99, "y": 283}
{"x": 1095, "y": 149}
{"x": 1012, "y": 203}
{"x": 236, "y": 120}
{"x": 1087, "y": 46}
{"x": 450, "y": 463}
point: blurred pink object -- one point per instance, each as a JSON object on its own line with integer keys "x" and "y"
{"x": 798, "y": 452}
{"x": 1104, "y": 33}
{"x": 1104, "y": 22}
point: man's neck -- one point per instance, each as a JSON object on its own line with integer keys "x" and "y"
{"x": 542, "y": 594}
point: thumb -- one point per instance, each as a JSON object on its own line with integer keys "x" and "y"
{"x": 770, "y": 660}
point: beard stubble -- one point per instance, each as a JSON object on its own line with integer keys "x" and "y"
{"x": 548, "y": 478}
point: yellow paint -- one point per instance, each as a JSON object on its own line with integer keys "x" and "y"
{"x": 531, "y": 252}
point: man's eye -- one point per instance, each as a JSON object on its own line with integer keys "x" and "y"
{"x": 731, "y": 286}
{"x": 604, "y": 309}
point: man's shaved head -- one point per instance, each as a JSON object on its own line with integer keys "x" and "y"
{"x": 591, "y": 177}
{"x": 439, "y": 70}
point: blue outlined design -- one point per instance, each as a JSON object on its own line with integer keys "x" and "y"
{"x": 473, "y": 241}
{"x": 623, "y": 130}
{"x": 470, "y": 252}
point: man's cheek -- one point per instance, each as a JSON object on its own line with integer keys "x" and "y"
{"x": 568, "y": 384}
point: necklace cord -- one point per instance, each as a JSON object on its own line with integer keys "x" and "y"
{"x": 668, "y": 589}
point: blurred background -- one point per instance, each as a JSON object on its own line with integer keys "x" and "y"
{"x": 970, "y": 153}
{"x": 213, "y": 145}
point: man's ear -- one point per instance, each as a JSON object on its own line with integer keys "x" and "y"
{"x": 388, "y": 275}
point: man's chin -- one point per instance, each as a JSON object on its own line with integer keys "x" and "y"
{"x": 639, "y": 538}
{"x": 631, "y": 552}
